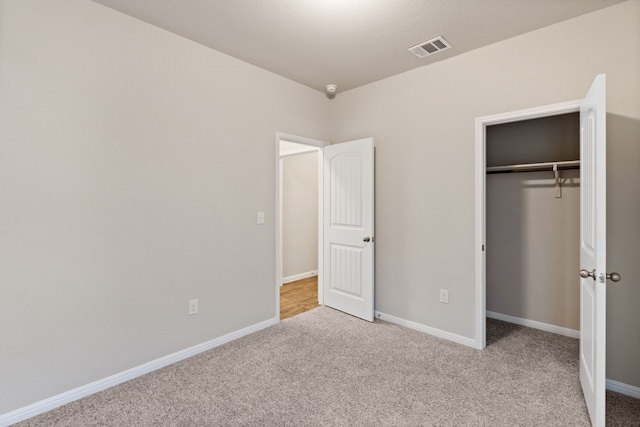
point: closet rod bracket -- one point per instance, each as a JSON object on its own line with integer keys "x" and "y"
{"x": 558, "y": 185}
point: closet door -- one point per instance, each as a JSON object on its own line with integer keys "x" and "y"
{"x": 593, "y": 273}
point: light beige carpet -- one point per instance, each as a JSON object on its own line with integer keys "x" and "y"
{"x": 325, "y": 368}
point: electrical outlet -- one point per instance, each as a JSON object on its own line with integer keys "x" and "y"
{"x": 444, "y": 296}
{"x": 193, "y": 307}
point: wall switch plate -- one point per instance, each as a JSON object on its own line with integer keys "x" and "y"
{"x": 444, "y": 296}
{"x": 193, "y": 307}
{"x": 260, "y": 217}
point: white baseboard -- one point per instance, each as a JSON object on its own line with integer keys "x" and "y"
{"x": 622, "y": 388}
{"x": 571, "y": 333}
{"x": 299, "y": 276}
{"x": 470, "y": 342}
{"x": 96, "y": 386}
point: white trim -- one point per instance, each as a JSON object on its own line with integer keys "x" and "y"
{"x": 278, "y": 215}
{"x": 480, "y": 184}
{"x": 298, "y": 152}
{"x": 571, "y": 333}
{"x": 279, "y": 226}
{"x": 299, "y": 140}
{"x": 96, "y": 386}
{"x": 480, "y": 293}
{"x": 321, "y": 227}
{"x": 622, "y": 388}
{"x": 469, "y": 342}
{"x": 299, "y": 276}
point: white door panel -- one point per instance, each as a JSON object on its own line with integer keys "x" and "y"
{"x": 348, "y": 222}
{"x": 593, "y": 203}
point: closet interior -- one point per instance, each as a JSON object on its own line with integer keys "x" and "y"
{"x": 532, "y": 222}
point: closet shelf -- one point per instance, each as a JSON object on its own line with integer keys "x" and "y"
{"x": 531, "y": 167}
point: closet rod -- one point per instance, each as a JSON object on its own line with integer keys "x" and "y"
{"x": 529, "y": 167}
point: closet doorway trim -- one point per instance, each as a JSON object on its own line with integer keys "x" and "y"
{"x": 480, "y": 202}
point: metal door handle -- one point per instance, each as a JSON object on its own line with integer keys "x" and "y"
{"x": 586, "y": 273}
{"x": 614, "y": 277}
{"x": 366, "y": 239}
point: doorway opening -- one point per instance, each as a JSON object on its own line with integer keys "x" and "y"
{"x": 298, "y": 219}
{"x": 530, "y": 246}
{"x": 533, "y": 223}
{"x": 345, "y": 225}
{"x": 512, "y": 199}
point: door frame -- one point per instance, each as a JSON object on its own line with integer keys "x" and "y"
{"x": 278, "y": 211}
{"x": 480, "y": 197}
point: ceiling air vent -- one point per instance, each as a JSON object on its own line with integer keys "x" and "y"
{"x": 430, "y": 47}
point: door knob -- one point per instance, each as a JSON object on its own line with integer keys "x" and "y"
{"x": 586, "y": 274}
{"x": 614, "y": 277}
{"x": 366, "y": 239}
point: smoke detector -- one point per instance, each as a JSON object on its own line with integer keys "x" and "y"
{"x": 430, "y": 47}
{"x": 331, "y": 90}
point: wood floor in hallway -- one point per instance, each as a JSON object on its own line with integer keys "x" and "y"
{"x": 298, "y": 297}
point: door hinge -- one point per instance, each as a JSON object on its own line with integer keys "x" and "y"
{"x": 482, "y": 248}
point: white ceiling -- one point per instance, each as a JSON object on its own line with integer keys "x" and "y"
{"x": 347, "y": 42}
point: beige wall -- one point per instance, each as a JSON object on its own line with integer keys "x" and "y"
{"x": 132, "y": 165}
{"x": 134, "y": 162}
{"x": 423, "y": 123}
{"x": 533, "y": 237}
{"x": 299, "y": 214}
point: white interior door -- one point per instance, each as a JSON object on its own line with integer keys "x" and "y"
{"x": 593, "y": 204}
{"x": 348, "y": 227}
